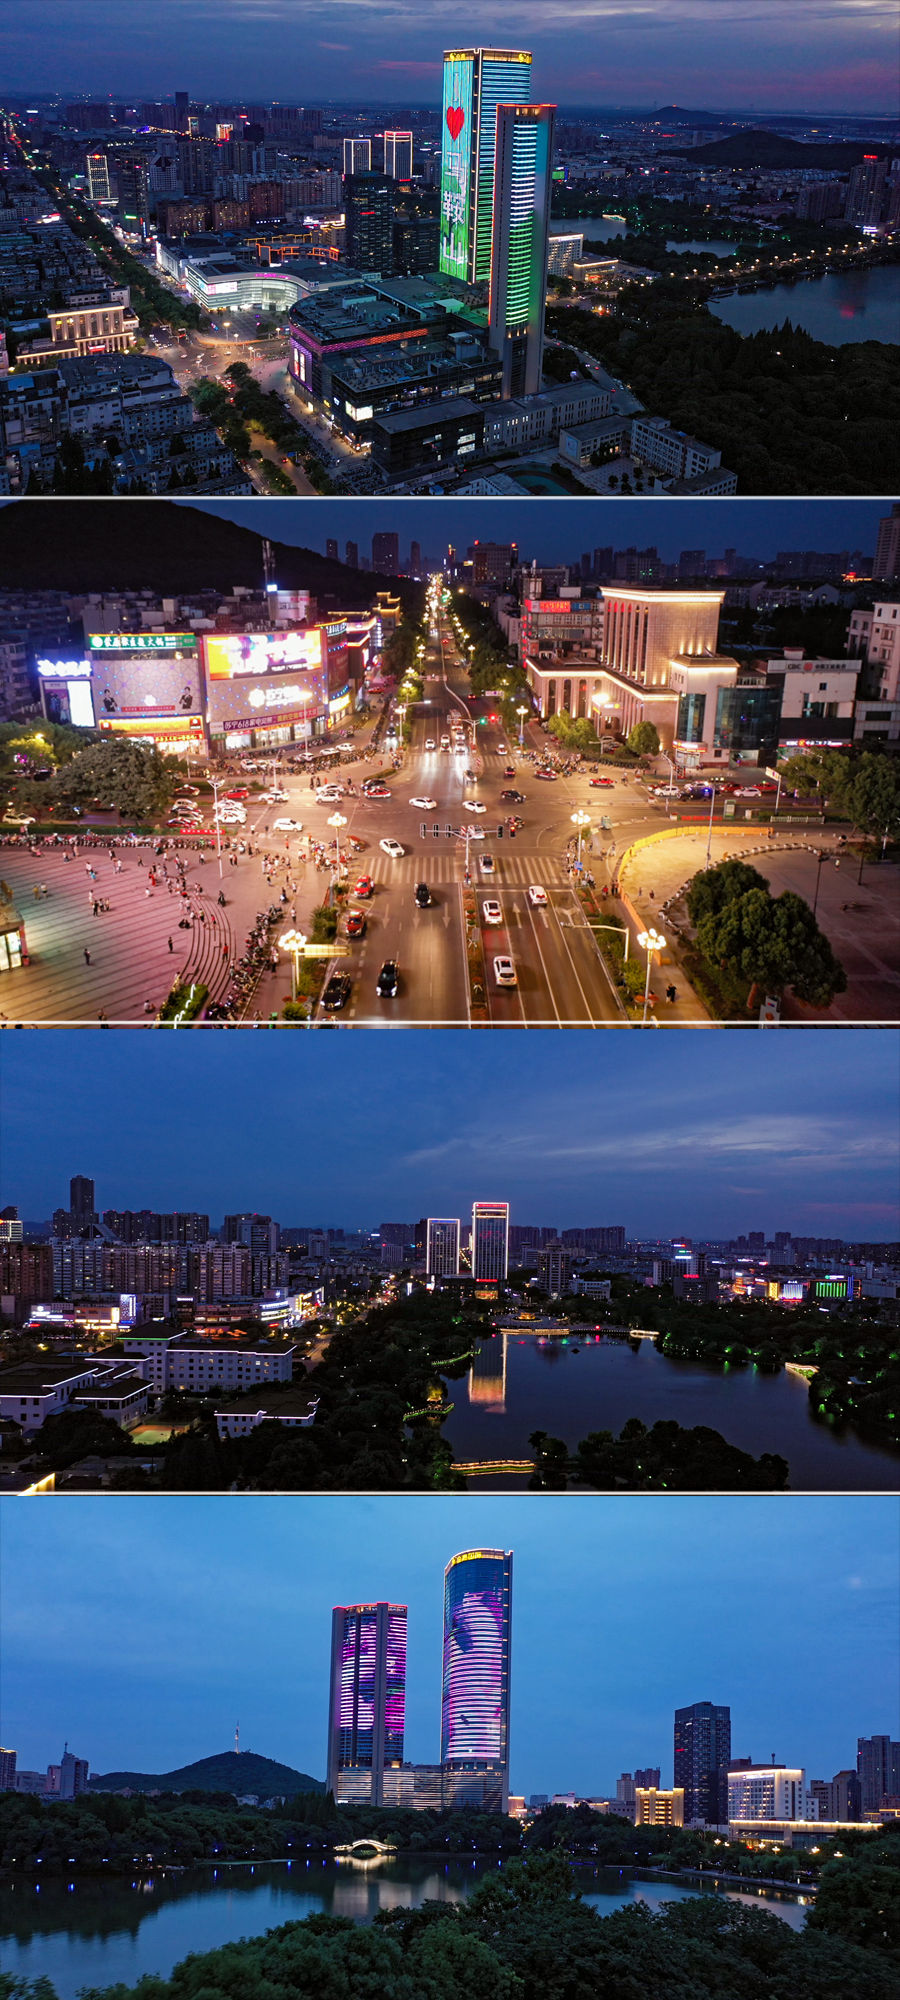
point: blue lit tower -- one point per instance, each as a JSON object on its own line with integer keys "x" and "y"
{"x": 367, "y": 1704}
{"x": 523, "y": 168}
{"x": 476, "y": 1668}
{"x": 475, "y": 82}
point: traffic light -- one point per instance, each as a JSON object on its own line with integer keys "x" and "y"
{"x": 499, "y": 833}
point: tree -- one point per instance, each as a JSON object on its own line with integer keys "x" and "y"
{"x": 714, "y": 888}
{"x": 774, "y": 942}
{"x": 643, "y": 739}
{"x": 128, "y": 776}
{"x": 857, "y": 1898}
{"x": 873, "y": 794}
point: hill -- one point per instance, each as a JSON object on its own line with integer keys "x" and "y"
{"x": 233, "y": 1771}
{"x": 80, "y": 545}
{"x": 769, "y": 149}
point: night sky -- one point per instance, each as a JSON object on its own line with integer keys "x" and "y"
{"x": 708, "y": 54}
{"x": 142, "y": 1630}
{"x": 559, "y": 530}
{"x": 701, "y": 1133}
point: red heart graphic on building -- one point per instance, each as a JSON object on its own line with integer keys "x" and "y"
{"x": 456, "y": 119}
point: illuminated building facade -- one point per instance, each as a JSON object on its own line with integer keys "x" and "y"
{"x": 490, "y": 1241}
{"x": 653, "y": 1807}
{"x": 357, "y": 156}
{"x": 521, "y": 216}
{"x": 98, "y": 186}
{"x": 766, "y": 1792}
{"x": 442, "y": 1247}
{"x": 369, "y": 222}
{"x": 368, "y": 1700}
{"x": 398, "y": 155}
{"x": 701, "y": 1759}
{"x": 476, "y": 1667}
{"x": 476, "y": 81}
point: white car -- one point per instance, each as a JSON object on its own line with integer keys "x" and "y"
{"x": 230, "y": 815}
{"x": 505, "y": 972}
{"x": 429, "y": 742}
{"x": 274, "y": 798}
{"x": 427, "y": 805}
{"x": 393, "y": 848}
{"x": 537, "y": 896}
{"x": 473, "y": 806}
{"x": 486, "y": 864}
{"x": 330, "y": 795}
{"x": 287, "y": 825}
{"x": 492, "y": 912}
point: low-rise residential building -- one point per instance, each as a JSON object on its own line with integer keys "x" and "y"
{"x": 294, "y": 1409}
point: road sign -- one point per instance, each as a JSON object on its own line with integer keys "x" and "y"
{"x": 769, "y": 1013}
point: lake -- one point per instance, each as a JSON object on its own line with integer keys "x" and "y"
{"x": 95, "y": 1933}
{"x": 597, "y": 228}
{"x": 842, "y": 307}
{"x": 569, "y": 1387}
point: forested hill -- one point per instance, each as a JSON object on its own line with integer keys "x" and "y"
{"x": 769, "y": 149}
{"x": 235, "y": 1772}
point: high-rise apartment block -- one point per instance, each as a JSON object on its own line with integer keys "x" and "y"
{"x": 490, "y": 1241}
{"x": 442, "y": 1247}
{"x": 476, "y": 1667}
{"x": 398, "y": 156}
{"x": 521, "y": 219}
{"x": 97, "y": 167}
{"x": 368, "y": 1699}
{"x": 701, "y": 1759}
{"x": 878, "y": 1770}
{"x": 369, "y": 223}
{"x": 476, "y": 81}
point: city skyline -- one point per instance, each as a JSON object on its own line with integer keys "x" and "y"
{"x": 204, "y": 1126}
{"x": 559, "y": 530}
{"x": 653, "y": 52}
{"x": 204, "y": 1632}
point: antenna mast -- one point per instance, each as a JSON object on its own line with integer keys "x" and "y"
{"x": 237, "y": 1739}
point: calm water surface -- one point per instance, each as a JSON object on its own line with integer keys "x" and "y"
{"x": 840, "y": 308}
{"x": 97, "y": 1933}
{"x": 597, "y": 228}
{"x": 570, "y": 1387}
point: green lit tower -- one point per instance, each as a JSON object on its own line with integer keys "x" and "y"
{"x": 522, "y": 186}
{"x": 476, "y": 81}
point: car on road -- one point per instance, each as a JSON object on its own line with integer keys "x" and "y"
{"x": 376, "y": 792}
{"x": 356, "y": 923}
{"x": 337, "y": 992}
{"x": 504, "y": 972}
{"x": 423, "y": 896}
{"x": 429, "y": 742}
{"x": 473, "y": 806}
{"x": 486, "y": 864}
{"x": 287, "y": 825}
{"x": 274, "y": 798}
{"x": 549, "y": 775}
{"x": 364, "y": 886}
{"x": 427, "y": 805}
{"x": 330, "y": 795}
{"x": 240, "y": 792}
{"x": 393, "y": 848}
{"x": 518, "y": 798}
{"x": 183, "y": 808}
{"x": 491, "y": 911}
{"x": 537, "y": 896}
{"x": 388, "y": 980}
{"x": 603, "y": 783}
{"x": 749, "y": 792}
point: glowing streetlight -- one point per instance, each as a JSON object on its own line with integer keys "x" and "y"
{"x": 295, "y": 943}
{"x": 582, "y": 820}
{"x": 521, "y": 712}
{"x": 337, "y": 820}
{"x": 650, "y": 941}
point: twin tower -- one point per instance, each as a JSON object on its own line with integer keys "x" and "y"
{"x": 368, "y": 1696}
{"x": 496, "y": 183}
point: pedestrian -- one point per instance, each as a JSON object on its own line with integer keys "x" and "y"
{"x": 96, "y": 907}
{"x": 102, "y": 1019}
{"x": 171, "y": 946}
{"x": 87, "y": 956}
{"x": 37, "y": 893}
{"x": 671, "y": 995}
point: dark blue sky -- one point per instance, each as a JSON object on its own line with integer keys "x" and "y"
{"x": 141, "y": 1630}
{"x": 559, "y": 530}
{"x": 747, "y": 55}
{"x": 691, "y": 1132}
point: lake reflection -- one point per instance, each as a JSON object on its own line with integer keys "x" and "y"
{"x": 840, "y": 308}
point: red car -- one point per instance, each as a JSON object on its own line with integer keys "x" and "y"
{"x": 601, "y": 781}
{"x": 364, "y": 886}
{"x": 240, "y": 792}
{"x": 356, "y": 923}
{"x": 376, "y": 792}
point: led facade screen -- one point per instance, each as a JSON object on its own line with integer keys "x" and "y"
{"x": 475, "y": 1695}
{"x": 456, "y": 158}
{"x": 146, "y": 684}
{"x": 229, "y": 657}
{"x": 370, "y": 1682}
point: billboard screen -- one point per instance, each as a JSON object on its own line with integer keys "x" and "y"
{"x": 229, "y": 657}
{"x": 456, "y": 157}
{"x": 146, "y": 684}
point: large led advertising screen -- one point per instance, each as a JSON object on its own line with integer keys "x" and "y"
{"x": 230, "y": 656}
{"x": 145, "y": 684}
{"x": 475, "y": 1695}
{"x": 456, "y": 156}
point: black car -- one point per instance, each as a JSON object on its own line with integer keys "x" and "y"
{"x": 337, "y": 992}
{"x": 388, "y": 980}
{"x": 518, "y": 798}
{"x": 423, "y": 895}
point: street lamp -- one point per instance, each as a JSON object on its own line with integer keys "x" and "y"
{"x": 580, "y": 819}
{"x": 521, "y": 712}
{"x": 295, "y": 943}
{"x": 215, "y": 786}
{"x": 337, "y": 820}
{"x": 650, "y": 941}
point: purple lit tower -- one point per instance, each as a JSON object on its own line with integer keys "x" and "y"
{"x": 475, "y": 1698}
{"x": 368, "y": 1699}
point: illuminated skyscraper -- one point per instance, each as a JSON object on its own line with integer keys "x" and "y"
{"x": 701, "y": 1758}
{"x": 369, "y": 223}
{"x": 357, "y": 156}
{"x": 442, "y": 1247}
{"x": 98, "y": 179}
{"x": 475, "y": 1690}
{"x": 490, "y": 1240}
{"x": 398, "y": 155}
{"x": 475, "y": 82}
{"x": 522, "y": 188}
{"x": 368, "y": 1699}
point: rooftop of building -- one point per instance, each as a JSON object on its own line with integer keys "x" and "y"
{"x": 284, "y": 1403}
{"x": 448, "y": 410}
{"x": 390, "y": 368}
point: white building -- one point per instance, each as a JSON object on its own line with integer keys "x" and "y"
{"x": 767, "y": 1792}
